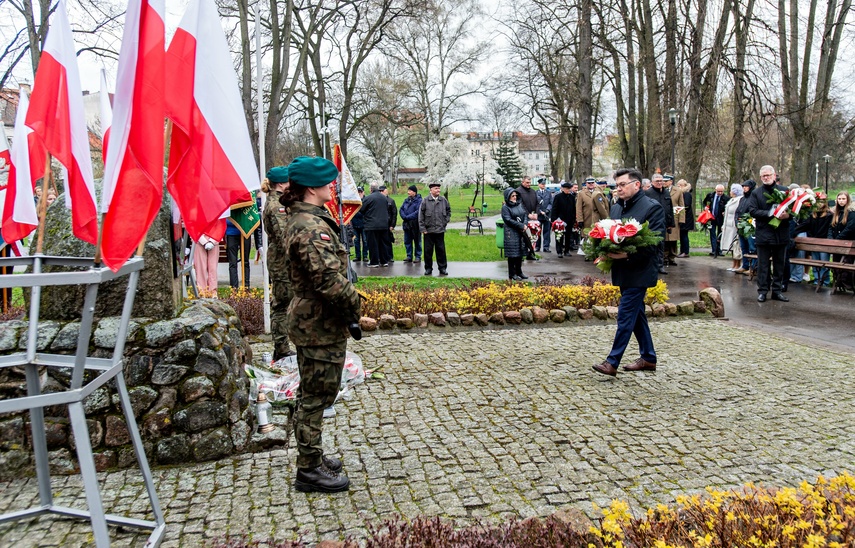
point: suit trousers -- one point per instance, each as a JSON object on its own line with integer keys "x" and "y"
{"x": 774, "y": 256}
{"x": 377, "y": 246}
{"x": 632, "y": 320}
{"x": 235, "y": 252}
{"x": 435, "y": 240}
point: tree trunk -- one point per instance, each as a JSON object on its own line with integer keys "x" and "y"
{"x": 585, "y": 55}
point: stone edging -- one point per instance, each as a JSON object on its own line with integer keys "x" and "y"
{"x": 709, "y": 303}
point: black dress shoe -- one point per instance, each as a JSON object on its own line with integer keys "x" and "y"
{"x": 516, "y": 278}
{"x": 428, "y": 272}
{"x": 333, "y": 464}
{"x": 408, "y": 260}
{"x": 780, "y": 297}
{"x": 761, "y": 298}
{"x": 443, "y": 273}
{"x": 321, "y": 480}
{"x": 523, "y": 277}
{"x": 663, "y": 271}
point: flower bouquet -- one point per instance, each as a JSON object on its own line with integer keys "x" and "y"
{"x": 612, "y": 236}
{"x": 532, "y": 232}
{"x": 798, "y": 202}
{"x": 745, "y": 225}
{"x": 558, "y": 228}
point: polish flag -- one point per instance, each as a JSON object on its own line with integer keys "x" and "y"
{"x": 5, "y": 157}
{"x": 56, "y": 115}
{"x": 106, "y": 116}
{"x": 133, "y": 174}
{"x": 211, "y": 164}
{"x": 28, "y": 162}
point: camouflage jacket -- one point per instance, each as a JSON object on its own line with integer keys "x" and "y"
{"x": 273, "y": 219}
{"x": 324, "y": 301}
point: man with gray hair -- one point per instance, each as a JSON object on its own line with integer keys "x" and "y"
{"x": 716, "y": 201}
{"x": 771, "y": 241}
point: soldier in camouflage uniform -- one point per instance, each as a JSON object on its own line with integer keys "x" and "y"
{"x": 324, "y": 304}
{"x": 273, "y": 219}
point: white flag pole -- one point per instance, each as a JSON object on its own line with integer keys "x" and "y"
{"x": 261, "y": 162}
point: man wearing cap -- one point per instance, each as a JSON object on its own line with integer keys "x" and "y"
{"x": 324, "y": 309}
{"x": 544, "y": 213}
{"x": 392, "y": 208}
{"x": 564, "y": 208}
{"x": 434, "y": 215}
{"x": 273, "y": 219}
{"x": 591, "y": 205}
{"x": 375, "y": 211}
{"x": 410, "y": 223}
{"x": 658, "y": 193}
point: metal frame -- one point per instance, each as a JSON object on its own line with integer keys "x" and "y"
{"x": 108, "y": 369}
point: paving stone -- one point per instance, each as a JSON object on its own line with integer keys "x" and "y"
{"x": 482, "y": 425}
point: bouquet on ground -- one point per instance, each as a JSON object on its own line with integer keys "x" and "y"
{"x": 612, "y": 236}
{"x": 798, "y": 202}
{"x": 745, "y": 225}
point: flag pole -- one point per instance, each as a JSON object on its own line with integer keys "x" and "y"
{"x": 262, "y": 162}
{"x": 43, "y": 206}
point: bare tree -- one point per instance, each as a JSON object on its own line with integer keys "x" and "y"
{"x": 437, "y": 54}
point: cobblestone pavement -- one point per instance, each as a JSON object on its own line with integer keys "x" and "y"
{"x": 512, "y": 422}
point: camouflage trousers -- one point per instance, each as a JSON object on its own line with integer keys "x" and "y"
{"x": 320, "y": 377}
{"x": 278, "y": 313}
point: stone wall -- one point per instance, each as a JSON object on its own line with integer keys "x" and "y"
{"x": 185, "y": 378}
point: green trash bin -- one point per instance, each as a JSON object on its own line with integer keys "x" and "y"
{"x": 483, "y": 208}
{"x": 500, "y": 236}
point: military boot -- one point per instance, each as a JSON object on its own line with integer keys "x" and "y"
{"x": 333, "y": 464}
{"x": 320, "y": 479}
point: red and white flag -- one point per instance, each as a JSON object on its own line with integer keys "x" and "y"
{"x": 28, "y": 162}
{"x": 106, "y": 117}
{"x": 5, "y": 157}
{"x": 350, "y": 201}
{"x": 56, "y": 115}
{"x": 133, "y": 173}
{"x": 211, "y": 164}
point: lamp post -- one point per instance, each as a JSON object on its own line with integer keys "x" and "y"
{"x": 483, "y": 183}
{"x": 672, "y": 117}
{"x": 826, "y": 158}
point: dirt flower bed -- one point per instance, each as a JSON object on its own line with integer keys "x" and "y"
{"x": 819, "y": 514}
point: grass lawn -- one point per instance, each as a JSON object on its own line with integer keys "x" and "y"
{"x": 458, "y": 247}
{"x": 418, "y": 283}
{"x": 460, "y": 199}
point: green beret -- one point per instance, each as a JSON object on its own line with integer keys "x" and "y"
{"x": 312, "y": 172}
{"x": 278, "y": 174}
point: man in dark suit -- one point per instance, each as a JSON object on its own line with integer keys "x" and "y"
{"x": 716, "y": 202}
{"x": 633, "y": 274}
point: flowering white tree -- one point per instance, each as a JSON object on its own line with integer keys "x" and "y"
{"x": 451, "y": 163}
{"x": 363, "y": 168}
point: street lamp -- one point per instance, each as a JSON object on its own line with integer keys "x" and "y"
{"x": 483, "y": 183}
{"x": 826, "y": 158}
{"x": 672, "y": 117}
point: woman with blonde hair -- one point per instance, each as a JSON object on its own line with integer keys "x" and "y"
{"x": 689, "y": 224}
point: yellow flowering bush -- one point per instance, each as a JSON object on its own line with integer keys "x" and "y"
{"x": 814, "y": 515}
{"x": 402, "y": 300}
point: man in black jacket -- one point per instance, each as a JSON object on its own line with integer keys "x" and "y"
{"x": 633, "y": 274}
{"x": 771, "y": 241}
{"x": 564, "y": 208}
{"x": 716, "y": 202}
{"x": 662, "y": 195}
{"x": 375, "y": 212}
{"x": 389, "y": 238}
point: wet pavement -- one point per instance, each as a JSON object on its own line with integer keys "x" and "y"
{"x": 809, "y": 316}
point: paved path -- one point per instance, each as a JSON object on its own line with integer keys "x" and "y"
{"x": 512, "y": 422}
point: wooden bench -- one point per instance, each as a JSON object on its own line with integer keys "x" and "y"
{"x": 821, "y": 245}
{"x": 844, "y": 248}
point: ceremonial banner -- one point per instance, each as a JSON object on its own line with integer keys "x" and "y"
{"x": 349, "y": 196}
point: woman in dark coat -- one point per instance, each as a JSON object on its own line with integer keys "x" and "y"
{"x": 843, "y": 228}
{"x": 514, "y": 216}
{"x": 689, "y": 224}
